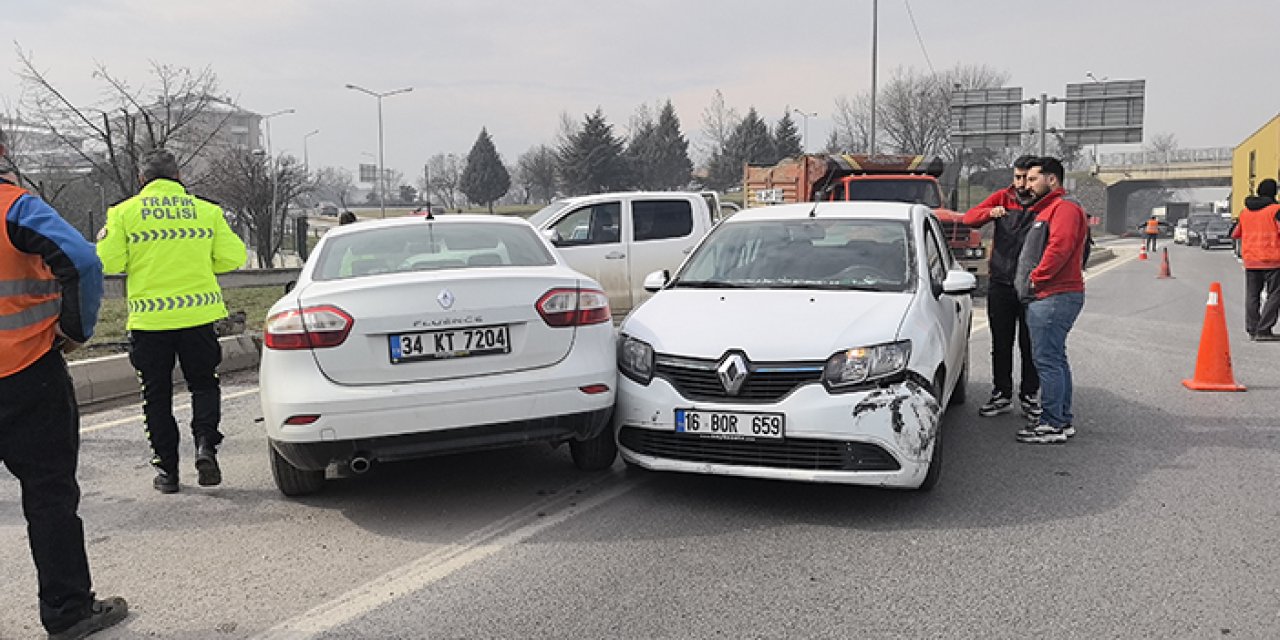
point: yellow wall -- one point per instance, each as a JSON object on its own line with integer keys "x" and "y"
{"x": 1264, "y": 147}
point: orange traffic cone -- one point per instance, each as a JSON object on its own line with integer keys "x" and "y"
{"x": 1142, "y": 251}
{"x": 1164, "y": 264}
{"x": 1213, "y": 363}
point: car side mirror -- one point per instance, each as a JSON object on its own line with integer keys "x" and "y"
{"x": 551, "y": 235}
{"x": 959, "y": 283}
{"x": 655, "y": 281}
{"x": 288, "y": 286}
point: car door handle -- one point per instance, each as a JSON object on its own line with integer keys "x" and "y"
{"x": 614, "y": 255}
{"x": 957, "y": 307}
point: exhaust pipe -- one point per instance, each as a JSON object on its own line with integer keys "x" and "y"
{"x": 359, "y": 463}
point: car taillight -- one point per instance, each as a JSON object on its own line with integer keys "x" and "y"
{"x": 574, "y": 307}
{"x": 310, "y": 328}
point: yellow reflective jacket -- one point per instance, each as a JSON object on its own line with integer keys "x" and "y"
{"x": 170, "y": 244}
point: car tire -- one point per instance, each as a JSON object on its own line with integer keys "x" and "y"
{"x": 292, "y": 481}
{"x": 934, "y": 473}
{"x": 594, "y": 454}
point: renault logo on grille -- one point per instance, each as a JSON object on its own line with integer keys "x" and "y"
{"x": 445, "y": 298}
{"x": 732, "y": 373}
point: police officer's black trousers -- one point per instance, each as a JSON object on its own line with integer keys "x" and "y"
{"x": 39, "y": 443}
{"x": 1007, "y": 317}
{"x": 1261, "y": 317}
{"x": 197, "y": 351}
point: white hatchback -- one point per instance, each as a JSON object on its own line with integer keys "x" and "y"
{"x": 420, "y": 336}
{"x": 801, "y": 342}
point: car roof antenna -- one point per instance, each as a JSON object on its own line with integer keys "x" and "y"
{"x": 826, "y": 184}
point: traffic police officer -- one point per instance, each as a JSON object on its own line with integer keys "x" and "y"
{"x": 50, "y": 292}
{"x": 171, "y": 245}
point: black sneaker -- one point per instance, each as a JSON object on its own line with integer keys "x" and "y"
{"x": 102, "y": 614}
{"x": 1041, "y": 434}
{"x": 207, "y": 470}
{"x": 998, "y": 404}
{"x": 1266, "y": 336}
{"x": 1031, "y": 406}
{"x": 165, "y": 482}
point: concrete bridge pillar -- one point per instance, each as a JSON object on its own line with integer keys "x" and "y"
{"x": 1117, "y": 206}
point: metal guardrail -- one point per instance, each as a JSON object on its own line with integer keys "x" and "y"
{"x": 114, "y": 286}
{"x": 1176, "y": 156}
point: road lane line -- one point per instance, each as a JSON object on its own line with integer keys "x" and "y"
{"x": 979, "y": 325}
{"x": 437, "y": 565}
{"x": 140, "y": 417}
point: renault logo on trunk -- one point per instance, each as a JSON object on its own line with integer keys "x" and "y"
{"x": 732, "y": 373}
{"x": 445, "y": 298}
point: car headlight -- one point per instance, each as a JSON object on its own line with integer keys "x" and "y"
{"x": 635, "y": 359}
{"x": 866, "y": 364}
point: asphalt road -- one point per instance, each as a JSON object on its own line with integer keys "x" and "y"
{"x": 1158, "y": 520}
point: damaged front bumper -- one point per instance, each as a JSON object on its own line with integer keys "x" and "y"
{"x": 879, "y": 437}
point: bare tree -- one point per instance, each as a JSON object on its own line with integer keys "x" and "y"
{"x": 446, "y": 178}
{"x": 247, "y": 184}
{"x": 182, "y": 112}
{"x": 718, "y": 123}
{"x": 333, "y": 184}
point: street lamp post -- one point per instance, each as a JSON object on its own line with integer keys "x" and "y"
{"x": 306, "y": 162}
{"x": 804, "y": 137}
{"x": 271, "y": 159}
{"x": 382, "y": 176}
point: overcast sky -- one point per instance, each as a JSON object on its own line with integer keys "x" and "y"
{"x": 1212, "y": 68}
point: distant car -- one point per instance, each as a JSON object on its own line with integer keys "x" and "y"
{"x": 812, "y": 342}
{"x": 1216, "y": 234}
{"x": 418, "y": 336}
{"x": 1195, "y": 226}
{"x": 328, "y": 209}
{"x": 1180, "y": 232}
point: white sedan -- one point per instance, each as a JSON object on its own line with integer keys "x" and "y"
{"x": 419, "y": 336}
{"x": 801, "y": 342}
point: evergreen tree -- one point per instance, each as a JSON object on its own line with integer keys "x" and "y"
{"x": 750, "y": 142}
{"x": 591, "y": 158}
{"x": 786, "y": 139}
{"x": 642, "y": 151}
{"x": 486, "y": 178}
{"x": 673, "y": 166}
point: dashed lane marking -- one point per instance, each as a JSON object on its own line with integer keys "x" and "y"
{"x": 504, "y": 533}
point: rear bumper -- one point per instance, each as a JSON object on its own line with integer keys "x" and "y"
{"x": 318, "y": 455}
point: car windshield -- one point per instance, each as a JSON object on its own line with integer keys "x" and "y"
{"x": 863, "y": 254}
{"x": 429, "y": 247}
{"x": 546, "y": 212}
{"x": 898, "y": 190}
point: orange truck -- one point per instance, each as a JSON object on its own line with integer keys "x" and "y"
{"x": 893, "y": 178}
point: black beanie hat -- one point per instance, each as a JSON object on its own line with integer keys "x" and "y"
{"x": 1267, "y": 188}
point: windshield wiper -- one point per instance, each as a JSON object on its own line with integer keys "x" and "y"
{"x": 831, "y": 287}
{"x": 707, "y": 284}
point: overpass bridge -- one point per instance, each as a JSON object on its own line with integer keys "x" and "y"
{"x": 1126, "y": 173}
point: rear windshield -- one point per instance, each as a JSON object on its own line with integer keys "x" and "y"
{"x": 1218, "y": 225}
{"x": 430, "y": 247}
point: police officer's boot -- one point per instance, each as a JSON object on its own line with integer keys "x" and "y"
{"x": 209, "y": 475}
{"x": 165, "y": 482}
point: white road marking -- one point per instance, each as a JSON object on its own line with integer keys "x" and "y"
{"x": 979, "y": 325}
{"x": 139, "y": 417}
{"x": 437, "y": 565}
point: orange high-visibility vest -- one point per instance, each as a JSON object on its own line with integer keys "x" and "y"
{"x": 30, "y": 298}
{"x": 1260, "y": 238}
{"x": 1153, "y": 227}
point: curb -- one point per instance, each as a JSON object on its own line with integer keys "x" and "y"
{"x": 111, "y": 377}
{"x": 1100, "y": 255}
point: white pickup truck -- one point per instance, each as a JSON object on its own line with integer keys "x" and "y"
{"x": 619, "y": 238}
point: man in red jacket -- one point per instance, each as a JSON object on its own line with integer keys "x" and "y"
{"x": 1051, "y": 278}
{"x": 1006, "y": 211}
{"x": 1258, "y": 229}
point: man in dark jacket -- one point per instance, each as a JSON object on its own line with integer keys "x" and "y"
{"x": 1006, "y": 316}
{"x": 1258, "y": 229}
{"x": 1051, "y": 279}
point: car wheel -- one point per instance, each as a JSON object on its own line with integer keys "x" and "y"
{"x": 292, "y": 481}
{"x": 594, "y": 454}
